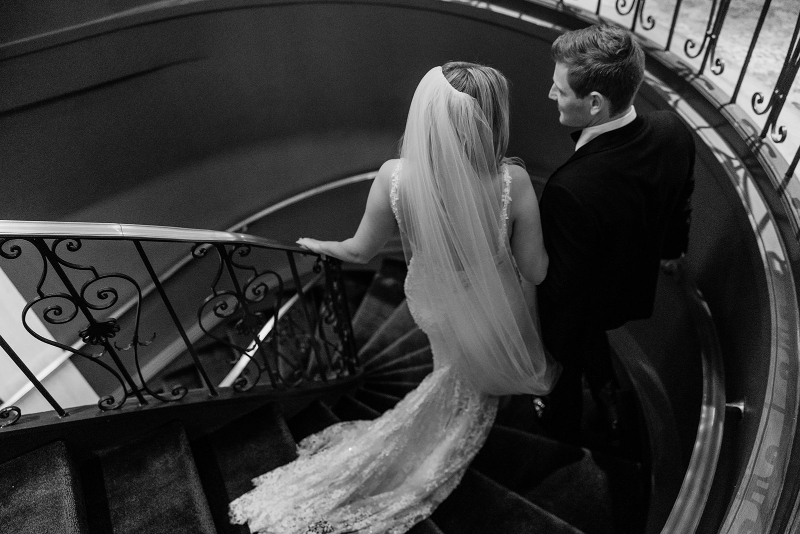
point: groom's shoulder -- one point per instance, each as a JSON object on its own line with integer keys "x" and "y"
{"x": 665, "y": 119}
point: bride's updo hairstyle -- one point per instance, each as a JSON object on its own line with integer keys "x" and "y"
{"x": 489, "y": 87}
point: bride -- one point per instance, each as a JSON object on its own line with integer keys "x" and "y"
{"x": 470, "y": 251}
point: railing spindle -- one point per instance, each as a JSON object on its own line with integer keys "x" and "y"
{"x": 760, "y": 24}
{"x": 168, "y": 305}
{"x": 30, "y": 376}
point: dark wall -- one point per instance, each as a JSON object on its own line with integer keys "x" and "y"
{"x": 238, "y": 107}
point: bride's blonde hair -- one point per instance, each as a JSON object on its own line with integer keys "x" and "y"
{"x": 490, "y": 88}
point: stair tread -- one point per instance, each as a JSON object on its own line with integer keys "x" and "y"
{"x": 420, "y": 356}
{"x": 250, "y": 446}
{"x": 310, "y": 420}
{"x": 153, "y": 480}
{"x": 415, "y": 374}
{"x": 406, "y": 374}
{"x": 396, "y": 324}
{"x": 376, "y": 400}
{"x": 410, "y": 342}
{"x": 599, "y": 500}
{"x": 592, "y": 491}
{"x": 519, "y": 460}
{"x": 480, "y": 505}
{"x": 426, "y": 526}
{"x": 40, "y": 493}
{"x": 351, "y": 409}
{"x": 394, "y": 389}
{"x": 385, "y": 292}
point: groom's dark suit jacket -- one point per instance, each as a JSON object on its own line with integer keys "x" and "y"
{"x": 609, "y": 215}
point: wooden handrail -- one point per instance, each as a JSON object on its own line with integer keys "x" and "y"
{"x": 696, "y": 487}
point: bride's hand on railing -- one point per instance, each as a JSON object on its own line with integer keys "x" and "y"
{"x": 311, "y": 244}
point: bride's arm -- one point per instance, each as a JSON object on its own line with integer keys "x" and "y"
{"x": 375, "y": 229}
{"x": 527, "y": 244}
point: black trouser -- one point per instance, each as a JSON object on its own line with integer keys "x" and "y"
{"x": 585, "y": 353}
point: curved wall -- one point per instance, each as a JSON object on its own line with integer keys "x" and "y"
{"x": 237, "y": 105}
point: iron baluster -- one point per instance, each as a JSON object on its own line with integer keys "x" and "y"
{"x": 30, "y": 376}
{"x": 174, "y": 316}
{"x": 344, "y": 327}
{"x": 299, "y": 286}
{"x": 784, "y": 83}
{"x": 673, "y": 24}
{"x": 248, "y": 315}
{"x": 296, "y": 277}
{"x": 713, "y": 28}
{"x": 98, "y": 332}
{"x": 637, "y": 7}
{"x": 793, "y": 165}
{"x": 761, "y": 18}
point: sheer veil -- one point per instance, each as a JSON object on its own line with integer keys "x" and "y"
{"x": 464, "y": 287}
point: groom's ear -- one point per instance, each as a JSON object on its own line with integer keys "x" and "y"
{"x": 597, "y": 103}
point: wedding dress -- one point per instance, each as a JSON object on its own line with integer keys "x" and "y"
{"x": 385, "y": 475}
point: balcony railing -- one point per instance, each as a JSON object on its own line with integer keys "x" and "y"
{"x": 106, "y": 294}
{"x": 750, "y": 53}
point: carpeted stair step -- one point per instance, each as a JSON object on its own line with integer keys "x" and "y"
{"x": 384, "y": 294}
{"x": 349, "y": 409}
{"x": 310, "y": 420}
{"x": 409, "y": 342}
{"x": 230, "y": 457}
{"x": 519, "y": 460}
{"x": 396, "y": 389}
{"x": 398, "y": 323}
{"x": 40, "y": 493}
{"x": 377, "y": 401}
{"x": 153, "y": 485}
{"x": 405, "y": 374}
{"x": 421, "y": 356}
{"x": 596, "y": 496}
{"x": 425, "y": 527}
{"x": 480, "y": 505}
{"x": 595, "y": 493}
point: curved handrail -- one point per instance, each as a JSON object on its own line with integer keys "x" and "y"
{"x": 94, "y": 230}
{"x": 691, "y": 501}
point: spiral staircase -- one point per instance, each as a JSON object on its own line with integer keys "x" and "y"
{"x": 169, "y": 481}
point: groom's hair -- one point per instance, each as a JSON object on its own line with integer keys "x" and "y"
{"x": 602, "y": 58}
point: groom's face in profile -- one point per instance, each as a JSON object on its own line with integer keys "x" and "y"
{"x": 572, "y": 111}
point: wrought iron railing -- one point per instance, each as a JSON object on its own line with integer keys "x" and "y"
{"x": 707, "y": 35}
{"x": 280, "y": 310}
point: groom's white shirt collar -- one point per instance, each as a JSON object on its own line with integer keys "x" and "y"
{"x": 593, "y": 131}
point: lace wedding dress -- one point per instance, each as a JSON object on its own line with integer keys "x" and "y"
{"x": 385, "y": 475}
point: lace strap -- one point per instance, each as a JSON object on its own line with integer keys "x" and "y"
{"x": 506, "y": 203}
{"x": 393, "y": 192}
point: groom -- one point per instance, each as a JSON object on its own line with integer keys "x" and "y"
{"x": 609, "y": 214}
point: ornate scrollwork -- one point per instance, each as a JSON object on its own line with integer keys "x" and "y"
{"x": 9, "y": 415}
{"x": 100, "y": 332}
{"x": 647, "y": 23}
{"x": 10, "y": 252}
{"x": 716, "y": 19}
{"x": 783, "y": 85}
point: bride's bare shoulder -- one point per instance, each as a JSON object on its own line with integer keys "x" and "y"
{"x": 521, "y": 185}
{"x": 386, "y": 171}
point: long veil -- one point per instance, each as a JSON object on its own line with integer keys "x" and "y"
{"x": 450, "y": 209}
